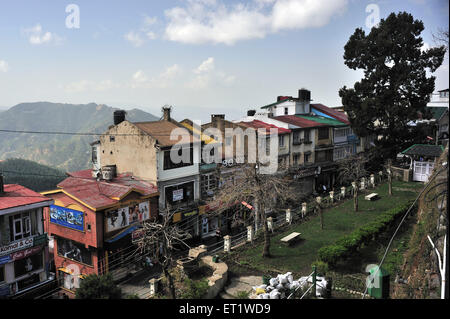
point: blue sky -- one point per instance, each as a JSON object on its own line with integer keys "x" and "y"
{"x": 200, "y": 56}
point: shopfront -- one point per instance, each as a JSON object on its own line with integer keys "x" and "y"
{"x": 21, "y": 270}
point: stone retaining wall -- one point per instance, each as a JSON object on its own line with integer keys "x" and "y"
{"x": 217, "y": 281}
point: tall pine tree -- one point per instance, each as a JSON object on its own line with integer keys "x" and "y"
{"x": 395, "y": 87}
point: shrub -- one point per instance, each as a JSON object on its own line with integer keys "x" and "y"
{"x": 348, "y": 244}
{"x": 196, "y": 289}
{"x": 321, "y": 267}
{"x": 242, "y": 295}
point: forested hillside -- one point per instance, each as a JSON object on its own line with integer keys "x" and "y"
{"x": 30, "y": 174}
{"x": 67, "y": 152}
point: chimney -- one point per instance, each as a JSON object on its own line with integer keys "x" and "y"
{"x": 217, "y": 121}
{"x": 2, "y": 189}
{"x": 119, "y": 116}
{"x": 166, "y": 112}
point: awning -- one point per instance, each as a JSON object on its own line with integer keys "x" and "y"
{"x": 70, "y": 272}
{"x": 122, "y": 234}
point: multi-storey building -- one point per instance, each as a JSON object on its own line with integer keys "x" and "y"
{"x": 92, "y": 222}
{"x": 161, "y": 152}
{"x": 24, "y": 255}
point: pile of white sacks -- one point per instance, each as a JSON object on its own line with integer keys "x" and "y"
{"x": 283, "y": 285}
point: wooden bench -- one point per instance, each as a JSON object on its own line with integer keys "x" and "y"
{"x": 290, "y": 238}
{"x": 371, "y": 196}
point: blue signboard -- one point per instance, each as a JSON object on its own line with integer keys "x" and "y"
{"x": 67, "y": 217}
{"x": 5, "y": 259}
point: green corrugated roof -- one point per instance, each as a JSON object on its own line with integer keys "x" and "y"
{"x": 424, "y": 150}
{"x": 323, "y": 120}
{"x": 269, "y": 105}
{"x": 437, "y": 111}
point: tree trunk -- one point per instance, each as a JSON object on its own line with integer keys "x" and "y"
{"x": 169, "y": 281}
{"x": 390, "y": 184}
{"x": 266, "y": 250}
{"x": 390, "y": 176}
{"x": 319, "y": 210}
{"x": 257, "y": 212}
{"x": 355, "y": 198}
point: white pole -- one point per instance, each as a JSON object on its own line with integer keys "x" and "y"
{"x": 441, "y": 267}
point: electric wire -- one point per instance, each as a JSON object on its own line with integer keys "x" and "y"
{"x": 401, "y": 222}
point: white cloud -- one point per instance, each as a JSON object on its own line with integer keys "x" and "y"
{"x": 207, "y": 75}
{"x": 138, "y": 38}
{"x": 148, "y": 21}
{"x": 206, "y": 66}
{"x": 151, "y": 35}
{"x": 300, "y": 14}
{"x": 211, "y": 22}
{"x": 163, "y": 80}
{"x": 3, "y": 66}
{"x": 134, "y": 38}
{"x": 37, "y": 36}
{"x": 140, "y": 77}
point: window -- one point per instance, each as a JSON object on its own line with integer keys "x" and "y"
{"x": 296, "y": 138}
{"x": 28, "y": 264}
{"x": 181, "y": 193}
{"x": 228, "y": 141}
{"x": 112, "y": 138}
{"x": 168, "y": 164}
{"x": 94, "y": 155}
{"x": 20, "y": 226}
{"x": 343, "y": 132}
{"x": 324, "y": 156}
{"x": 323, "y": 133}
{"x": 209, "y": 183}
{"x": 307, "y": 156}
{"x": 72, "y": 250}
{"x": 286, "y": 111}
{"x": 306, "y": 136}
{"x": 295, "y": 159}
{"x": 281, "y": 140}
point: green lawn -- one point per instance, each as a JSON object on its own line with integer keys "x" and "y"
{"x": 338, "y": 221}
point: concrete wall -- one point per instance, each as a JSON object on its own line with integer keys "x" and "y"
{"x": 402, "y": 174}
{"x": 135, "y": 154}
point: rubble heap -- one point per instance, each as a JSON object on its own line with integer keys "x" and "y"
{"x": 283, "y": 285}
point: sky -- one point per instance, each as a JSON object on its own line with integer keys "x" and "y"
{"x": 202, "y": 57}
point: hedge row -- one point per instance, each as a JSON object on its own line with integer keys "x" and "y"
{"x": 350, "y": 243}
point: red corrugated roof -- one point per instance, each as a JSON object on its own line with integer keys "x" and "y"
{"x": 256, "y": 124}
{"x": 298, "y": 121}
{"x": 98, "y": 194}
{"x": 340, "y": 116}
{"x": 18, "y": 195}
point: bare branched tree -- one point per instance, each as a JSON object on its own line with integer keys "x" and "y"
{"x": 441, "y": 37}
{"x": 352, "y": 169}
{"x": 161, "y": 239}
{"x": 265, "y": 192}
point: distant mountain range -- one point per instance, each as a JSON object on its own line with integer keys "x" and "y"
{"x": 65, "y": 152}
